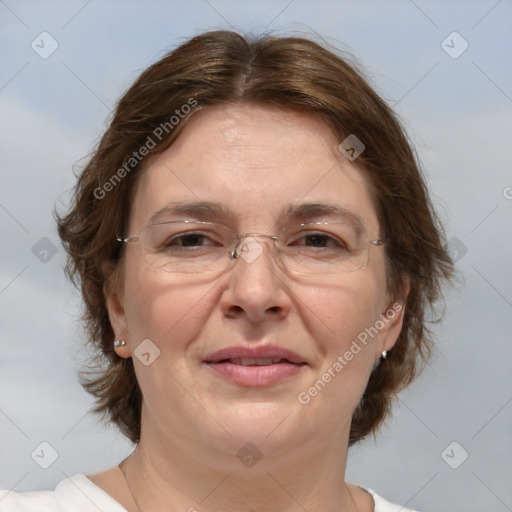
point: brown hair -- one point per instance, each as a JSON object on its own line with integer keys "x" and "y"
{"x": 285, "y": 72}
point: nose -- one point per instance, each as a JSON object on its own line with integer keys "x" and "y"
{"x": 256, "y": 289}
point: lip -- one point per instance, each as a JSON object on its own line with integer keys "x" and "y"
{"x": 255, "y": 376}
{"x": 261, "y": 352}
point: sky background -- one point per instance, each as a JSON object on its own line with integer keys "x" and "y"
{"x": 456, "y": 106}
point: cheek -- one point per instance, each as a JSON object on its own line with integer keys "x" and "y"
{"x": 341, "y": 310}
{"x": 338, "y": 318}
{"x": 163, "y": 308}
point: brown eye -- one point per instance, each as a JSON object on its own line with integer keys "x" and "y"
{"x": 189, "y": 240}
{"x": 319, "y": 240}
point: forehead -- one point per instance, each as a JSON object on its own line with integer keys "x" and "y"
{"x": 256, "y": 162}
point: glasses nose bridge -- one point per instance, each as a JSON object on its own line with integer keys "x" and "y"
{"x": 238, "y": 251}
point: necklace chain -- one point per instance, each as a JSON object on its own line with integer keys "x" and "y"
{"x": 123, "y": 470}
{"x": 122, "y": 465}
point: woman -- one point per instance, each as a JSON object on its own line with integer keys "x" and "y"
{"x": 257, "y": 254}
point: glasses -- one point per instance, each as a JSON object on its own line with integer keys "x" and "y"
{"x": 196, "y": 247}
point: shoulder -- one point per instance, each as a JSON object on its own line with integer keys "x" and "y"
{"x": 382, "y": 505}
{"x": 75, "y": 494}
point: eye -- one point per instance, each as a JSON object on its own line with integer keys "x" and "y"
{"x": 191, "y": 240}
{"x": 319, "y": 240}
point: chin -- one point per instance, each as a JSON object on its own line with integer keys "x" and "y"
{"x": 265, "y": 424}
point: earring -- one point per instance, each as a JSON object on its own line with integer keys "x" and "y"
{"x": 119, "y": 343}
{"x": 384, "y": 354}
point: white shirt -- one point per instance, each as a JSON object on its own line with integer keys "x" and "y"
{"x": 79, "y": 494}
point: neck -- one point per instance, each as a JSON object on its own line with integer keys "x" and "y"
{"x": 196, "y": 478}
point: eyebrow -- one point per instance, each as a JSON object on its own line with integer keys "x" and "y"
{"x": 309, "y": 211}
{"x": 302, "y": 212}
{"x": 199, "y": 209}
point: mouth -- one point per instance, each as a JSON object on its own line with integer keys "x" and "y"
{"x": 260, "y": 361}
{"x": 259, "y": 355}
{"x": 255, "y": 366}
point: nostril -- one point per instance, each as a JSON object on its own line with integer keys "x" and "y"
{"x": 274, "y": 309}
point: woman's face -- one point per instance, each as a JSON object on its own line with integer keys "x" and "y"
{"x": 256, "y": 163}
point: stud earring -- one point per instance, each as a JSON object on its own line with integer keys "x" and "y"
{"x": 119, "y": 343}
{"x": 384, "y": 354}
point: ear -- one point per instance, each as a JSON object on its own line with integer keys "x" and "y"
{"x": 114, "y": 300}
{"x": 392, "y": 318}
